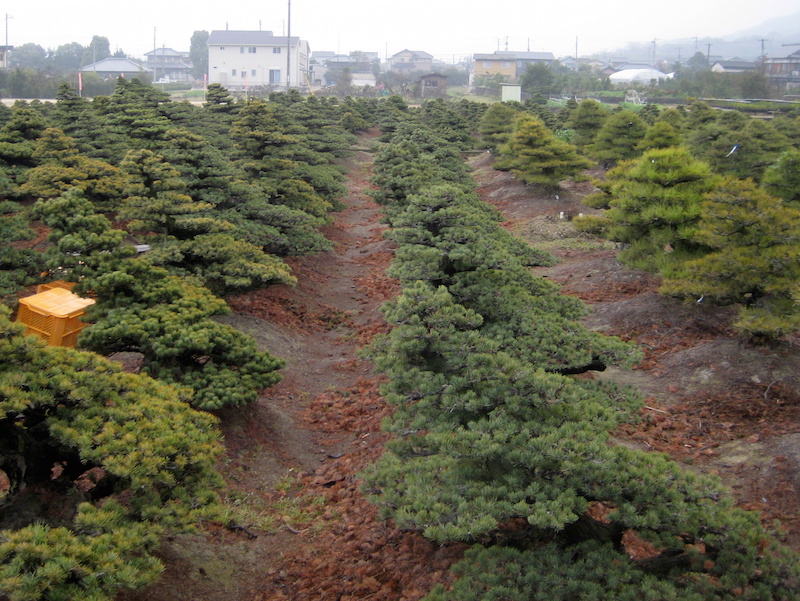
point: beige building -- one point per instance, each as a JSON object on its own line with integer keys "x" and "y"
{"x": 510, "y": 65}
{"x": 409, "y": 61}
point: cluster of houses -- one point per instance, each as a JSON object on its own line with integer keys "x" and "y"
{"x": 243, "y": 59}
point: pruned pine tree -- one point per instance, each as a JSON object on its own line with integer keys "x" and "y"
{"x": 416, "y": 160}
{"x": 782, "y": 179}
{"x": 586, "y": 119}
{"x": 655, "y": 205}
{"x": 537, "y": 156}
{"x": 19, "y": 267}
{"x": 61, "y": 166}
{"x": 753, "y": 259}
{"x": 734, "y": 144}
{"x": 448, "y": 238}
{"x": 18, "y": 140}
{"x": 497, "y": 124}
{"x": 169, "y": 320}
{"x": 83, "y": 240}
{"x": 619, "y": 138}
{"x": 156, "y": 200}
{"x": 444, "y": 119}
{"x": 110, "y": 460}
{"x": 660, "y": 135}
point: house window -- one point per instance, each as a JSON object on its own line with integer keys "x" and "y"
{"x": 274, "y": 76}
{"x": 244, "y": 73}
{"x": 487, "y": 64}
{"x": 253, "y": 72}
{"x": 222, "y": 47}
{"x": 506, "y": 64}
{"x": 233, "y": 72}
{"x": 276, "y": 50}
{"x": 241, "y": 50}
{"x": 251, "y": 50}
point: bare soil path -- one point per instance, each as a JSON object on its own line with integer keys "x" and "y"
{"x": 301, "y": 527}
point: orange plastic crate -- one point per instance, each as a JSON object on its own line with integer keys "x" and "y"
{"x": 54, "y": 315}
{"x": 55, "y": 284}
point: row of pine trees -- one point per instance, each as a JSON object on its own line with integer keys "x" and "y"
{"x": 97, "y": 464}
{"x": 497, "y": 441}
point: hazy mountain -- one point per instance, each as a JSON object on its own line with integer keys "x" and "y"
{"x": 774, "y": 37}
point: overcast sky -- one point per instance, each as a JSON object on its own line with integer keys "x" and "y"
{"x": 448, "y": 29}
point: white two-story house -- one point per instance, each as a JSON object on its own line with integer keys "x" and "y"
{"x": 241, "y": 59}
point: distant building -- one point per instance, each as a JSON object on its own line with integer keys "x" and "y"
{"x": 734, "y": 65}
{"x": 642, "y": 75}
{"x": 168, "y": 65}
{"x": 326, "y": 67}
{"x": 784, "y": 71}
{"x": 510, "y": 65}
{"x": 4, "y": 51}
{"x": 408, "y": 61}
{"x": 113, "y": 67}
{"x": 433, "y": 85}
{"x": 238, "y": 59}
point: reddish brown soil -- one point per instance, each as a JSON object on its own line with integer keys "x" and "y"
{"x": 301, "y": 527}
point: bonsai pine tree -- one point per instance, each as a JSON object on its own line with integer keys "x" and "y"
{"x": 18, "y": 138}
{"x": 536, "y": 156}
{"x": 193, "y": 239}
{"x": 156, "y": 200}
{"x": 737, "y": 145}
{"x": 619, "y": 137}
{"x": 18, "y": 266}
{"x": 660, "y": 135}
{"x": 586, "y": 119}
{"x": 83, "y": 241}
{"x": 103, "y": 462}
{"x": 753, "y": 261}
{"x": 655, "y": 205}
{"x": 497, "y": 124}
{"x": 783, "y": 178}
{"x": 61, "y": 167}
{"x": 170, "y": 321}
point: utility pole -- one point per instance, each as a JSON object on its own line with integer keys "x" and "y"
{"x": 288, "y": 45}
{"x": 155, "y": 47}
{"x": 708, "y": 56}
{"x": 5, "y": 51}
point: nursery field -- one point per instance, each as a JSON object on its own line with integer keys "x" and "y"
{"x": 300, "y": 526}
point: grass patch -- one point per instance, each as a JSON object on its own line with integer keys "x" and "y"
{"x": 268, "y": 511}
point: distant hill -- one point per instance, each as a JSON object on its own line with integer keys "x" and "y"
{"x": 745, "y": 44}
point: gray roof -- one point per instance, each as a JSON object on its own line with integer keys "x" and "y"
{"x": 225, "y": 37}
{"x": 516, "y": 56}
{"x": 115, "y": 65}
{"x": 418, "y": 54}
{"x": 165, "y": 52}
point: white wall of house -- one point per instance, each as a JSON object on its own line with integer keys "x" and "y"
{"x": 238, "y": 59}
